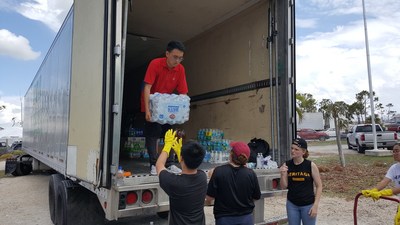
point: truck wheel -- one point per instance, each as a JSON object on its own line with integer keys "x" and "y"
{"x": 360, "y": 148}
{"x": 55, "y": 179}
{"x": 390, "y": 148}
{"x": 322, "y": 138}
{"x": 77, "y": 205}
{"x": 348, "y": 144}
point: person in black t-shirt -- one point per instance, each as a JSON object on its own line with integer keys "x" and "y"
{"x": 234, "y": 187}
{"x": 299, "y": 176}
{"x": 186, "y": 191}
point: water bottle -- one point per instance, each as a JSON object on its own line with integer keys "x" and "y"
{"x": 212, "y": 160}
{"x": 120, "y": 176}
{"x": 260, "y": 161}
{"x": 220, "y": 160}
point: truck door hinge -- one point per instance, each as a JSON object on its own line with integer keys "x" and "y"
{"x": 115, "y": 108}
{"x": 117, "y": 50}
{"x": 291, "y": 80}
{"x": 291, "y": 40}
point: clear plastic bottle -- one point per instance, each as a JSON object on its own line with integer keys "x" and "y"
{"x": 260, "y": 160}
{"x": 120, "y": 176}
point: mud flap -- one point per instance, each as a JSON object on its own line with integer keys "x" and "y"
{"x": 19, "y": 165}
{"x": 11, "y": 165}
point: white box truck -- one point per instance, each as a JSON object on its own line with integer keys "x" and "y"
{"x": 311, "y": 120}
{"x": 239, "y": 63}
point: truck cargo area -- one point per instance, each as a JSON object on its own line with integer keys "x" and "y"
{"x": 224, "y": 50}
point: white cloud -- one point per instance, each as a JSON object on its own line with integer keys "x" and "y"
{"x": 16, "y": 46}
{"x": 12, "y": 110}
{"x": 305, "y": 23}
{"x": 51, "y": 13}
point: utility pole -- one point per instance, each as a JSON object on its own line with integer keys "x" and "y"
{"x": 371, "y": 96}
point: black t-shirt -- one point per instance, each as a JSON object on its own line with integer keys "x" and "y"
{"x": 300, "y": 183}
{"x": 186, "y": 197}
{"x": 234, "y": 189}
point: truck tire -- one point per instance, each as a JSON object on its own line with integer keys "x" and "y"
{"x": 348, "y": 144}
{"x": 360, "y": 148}
{"x": 77, "y": 206}
{"x": 55, "y": 179}
{"x": 322, "y": 138}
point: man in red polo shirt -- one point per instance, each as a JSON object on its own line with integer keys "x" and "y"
{"x": 164, "y": 75}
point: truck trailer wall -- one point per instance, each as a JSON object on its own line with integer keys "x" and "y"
{"x": 46, "y": 103}
{"x": 230, "y": 54}
{"x": 84, "y": 140}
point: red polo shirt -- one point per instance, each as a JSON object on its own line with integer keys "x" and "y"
{"x": 164, "y": 79}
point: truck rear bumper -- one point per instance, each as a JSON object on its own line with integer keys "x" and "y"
{"x": 380, "y": 144}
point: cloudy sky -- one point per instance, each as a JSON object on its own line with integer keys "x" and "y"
{"x": 331, "y": 57}
{"x": 27, "y": 29}
{"x": 331, "y": 53}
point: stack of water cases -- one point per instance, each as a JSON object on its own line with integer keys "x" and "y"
{"x": 169, "y": 108}
{"x": 217, "y": 148}
{"x": 135, "y": 143}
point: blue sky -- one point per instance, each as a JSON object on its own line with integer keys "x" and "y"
{"x": 27, "y": 29}
{"x": 331, "y": 58}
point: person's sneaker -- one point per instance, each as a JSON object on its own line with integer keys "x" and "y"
{"x": 174, "y": 169}
{"x": 153, "y": 170}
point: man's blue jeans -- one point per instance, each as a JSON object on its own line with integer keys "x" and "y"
{"x": 297, "y": 214}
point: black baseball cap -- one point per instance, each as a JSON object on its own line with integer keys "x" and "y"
{"x": 300, "y": 142}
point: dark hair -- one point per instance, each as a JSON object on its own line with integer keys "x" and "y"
{"x": 238, "y": 160}
{"x": 306, "y": 154}
{"x": 175, "y": 45}
{"x": 193, "y": 154}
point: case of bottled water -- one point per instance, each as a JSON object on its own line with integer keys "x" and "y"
{"x": 169, "y": 108}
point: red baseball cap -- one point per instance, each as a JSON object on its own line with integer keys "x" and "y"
{"x": 240, "y": 148}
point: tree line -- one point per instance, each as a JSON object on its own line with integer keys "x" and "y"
{"x": 343, "y": 113}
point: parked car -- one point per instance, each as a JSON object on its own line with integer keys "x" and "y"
{"x": 331, "y": 132}
{"x": 310, "y": 134}
{"x": 17, "y": 145}
{"x": 392, "y": 127}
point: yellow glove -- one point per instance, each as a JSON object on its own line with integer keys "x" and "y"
{"x": 397, "y": 217}
{"x": 377, "y": 194}
{"x": 169, "y": 140}
{"x": 386, "y": 192}
{"x": 177, "y": 146}
{"x": 367, "y": 193}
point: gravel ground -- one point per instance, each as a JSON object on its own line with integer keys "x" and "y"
{"x": 24, "y": 200}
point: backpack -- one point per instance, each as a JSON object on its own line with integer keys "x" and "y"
{"x": 258, "y": 145}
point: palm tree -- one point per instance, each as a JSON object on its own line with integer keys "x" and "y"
{"x": 390, "y": 105}
{"x": 339, "y": 111}
{"x": 305, "y": 102}
{"x": 323, "y": 107}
